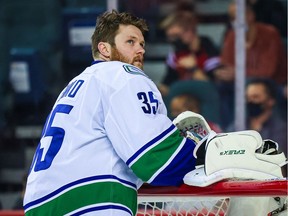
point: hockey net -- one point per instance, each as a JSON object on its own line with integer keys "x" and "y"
{"x": 222, "y": 198}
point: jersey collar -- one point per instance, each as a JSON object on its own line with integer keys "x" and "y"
{"x": 97, "y": 61}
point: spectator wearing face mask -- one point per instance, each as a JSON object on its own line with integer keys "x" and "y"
{"x": 193, "y": 55}
{"x": 262, "y": 113}
{"x": 265, "y": 57}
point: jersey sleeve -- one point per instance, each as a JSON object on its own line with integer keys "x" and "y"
{"x": 144, "y": 137}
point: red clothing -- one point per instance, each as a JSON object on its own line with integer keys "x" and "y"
{"x": 183, "y": 73}
{"x": 215, "y": 127}
{"x": 266, "y": 58}
{"x": 207, "y": 58}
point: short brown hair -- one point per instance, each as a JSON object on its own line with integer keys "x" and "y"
{"x": 184, "y": 19}
{"x": 107, "y": 26}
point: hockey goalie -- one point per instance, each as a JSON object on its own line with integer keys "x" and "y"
{"x": 236, "y": 155}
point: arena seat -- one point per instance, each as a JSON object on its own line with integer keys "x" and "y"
{"x": 78, "y": 25}
{"x": 86, "y": 3}
{"x": 155, "y": 70}
{"x": 30, "y": 95}
{"x": 34, "y": 24}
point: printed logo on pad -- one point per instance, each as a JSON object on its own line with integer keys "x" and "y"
{"x": 233, "y": 152}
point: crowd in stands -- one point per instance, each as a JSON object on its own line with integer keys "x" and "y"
{"x": 201, "y": 73}
{"x": 195, "y": 56}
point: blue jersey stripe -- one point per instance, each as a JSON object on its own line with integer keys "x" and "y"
{"x": 181, "y": 164}
{"x": 99, "y": 208}
{"x": 156, "y": 139}
{"x": 80, "y": 181}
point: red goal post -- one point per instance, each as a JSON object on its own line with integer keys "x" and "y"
{"x": 213, "y": 200}
{"x": 216, "y": 199}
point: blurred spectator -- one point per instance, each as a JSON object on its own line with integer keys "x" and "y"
{"x": 265, "y": 57}
{"x": 193, "y": 54}
{"x": 271, "y": 12}
{"x": 262, "y": 114}
{"x": 184, "y": 102}
{"x": 265, "y": 50}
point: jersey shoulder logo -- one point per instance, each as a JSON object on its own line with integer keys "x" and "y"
{"x": 134, "y": 70}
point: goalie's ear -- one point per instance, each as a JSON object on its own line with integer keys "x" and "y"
{"x": 105, "y": 49}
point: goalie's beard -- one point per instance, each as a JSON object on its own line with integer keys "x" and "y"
{"x": 117, "y": 56}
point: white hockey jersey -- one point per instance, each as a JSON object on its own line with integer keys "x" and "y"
{"x": 107, "y": 133}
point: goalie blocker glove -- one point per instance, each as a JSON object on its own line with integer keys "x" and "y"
{"x": 192, "y": 125}
{"x": 236, "y": 155}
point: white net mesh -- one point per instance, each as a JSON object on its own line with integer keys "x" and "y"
{"x": 211, "y": 206}
{"x": 257, "y": 198}
{"x": 186, "y": 206}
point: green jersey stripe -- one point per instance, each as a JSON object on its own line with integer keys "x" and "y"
{"x": 157, "y": 156}
{"x": 85, "y": 195}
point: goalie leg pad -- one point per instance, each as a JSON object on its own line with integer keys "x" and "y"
{"x": 198, "y": 177}
{"x": 237, "y": 155}
{"x": 237, "y": 151}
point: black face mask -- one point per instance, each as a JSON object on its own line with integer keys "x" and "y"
{"x": 179, "y": 46}
{"x": 254, "y": 109}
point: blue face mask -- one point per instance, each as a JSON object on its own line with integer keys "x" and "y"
{"x": 254, "y": 109}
